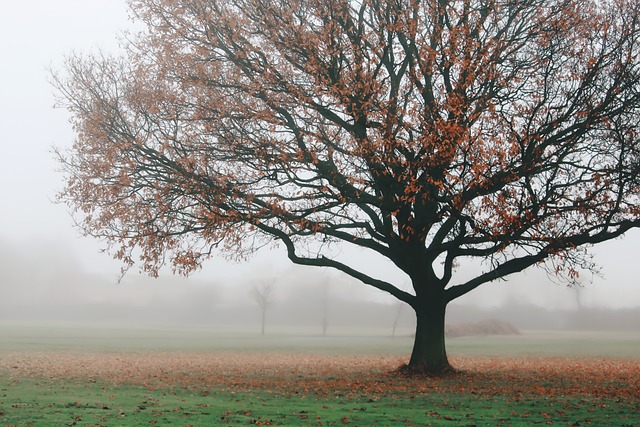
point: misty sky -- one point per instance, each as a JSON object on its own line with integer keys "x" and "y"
{"x": 35, "y": 35}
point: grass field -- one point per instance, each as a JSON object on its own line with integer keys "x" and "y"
{"x": 14, "y": 337}
{"x": 86, "y": 377}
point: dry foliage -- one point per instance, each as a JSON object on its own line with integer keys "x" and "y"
{"x": 484, "y": 327}
{"x": 424, "y": 132}
{"x": 348, "y": 375}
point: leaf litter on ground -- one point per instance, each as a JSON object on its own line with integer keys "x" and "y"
{"x": 322, "y": 375}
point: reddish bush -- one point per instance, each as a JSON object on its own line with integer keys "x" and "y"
{"x": 485, "y": 327}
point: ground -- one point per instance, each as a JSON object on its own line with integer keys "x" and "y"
{"x": 287, "y": 381}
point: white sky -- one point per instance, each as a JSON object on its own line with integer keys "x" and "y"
{"x": 35, "y": 35}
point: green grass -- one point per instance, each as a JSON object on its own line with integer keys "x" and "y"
{"x": 551, "y": 343}
{"x": 31, "y": 402}
{"x": 42, "y": 400}
{"x": 535, "y": 343}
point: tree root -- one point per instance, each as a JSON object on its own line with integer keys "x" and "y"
{"x": 407, "y": 370}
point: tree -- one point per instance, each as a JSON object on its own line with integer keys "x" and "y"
{"x": 263, "y": 295}
{"x": 426, "y": 132}
{"x": 324, "y": 305}
{"x": 396, "y": 319}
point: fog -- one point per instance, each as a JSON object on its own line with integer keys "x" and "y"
{"x": 44, "y": 282}
{"x": 48, "y": 273}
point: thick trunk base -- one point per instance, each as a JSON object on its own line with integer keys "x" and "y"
{"x": 429, "y": 355}
{"x": 409, "y": 370}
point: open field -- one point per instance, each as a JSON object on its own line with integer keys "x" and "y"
{"x": 18, "y": 337}
{"x": 86, "y": 377}
{"x": 49, "y": 388}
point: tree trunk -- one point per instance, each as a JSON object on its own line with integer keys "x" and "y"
{"x": 429, "y": 354}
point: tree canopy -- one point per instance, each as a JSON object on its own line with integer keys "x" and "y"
{"x": 426, "y": 131}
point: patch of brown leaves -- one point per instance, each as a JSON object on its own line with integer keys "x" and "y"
{"x": 335, "y": 374}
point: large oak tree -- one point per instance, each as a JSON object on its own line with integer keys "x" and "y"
{"x": 428, "y": 132}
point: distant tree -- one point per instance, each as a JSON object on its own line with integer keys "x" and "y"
{"x": 324, "y": 300}
{"x": 427, "y": 132}
{"x": 263, "y": 295}
{"x": 579, "y": 295}
{"x": 398, "y": 312}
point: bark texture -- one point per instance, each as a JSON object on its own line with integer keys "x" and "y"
{"x": 429, "y": 355}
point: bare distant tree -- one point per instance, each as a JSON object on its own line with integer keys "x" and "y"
{"x": 579, "y": 295}
{"x": 399, "y": 308}
{"x": 325, "y": 307}
{"x": 400, "y": 305}
{"x": 263, "y": 295}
